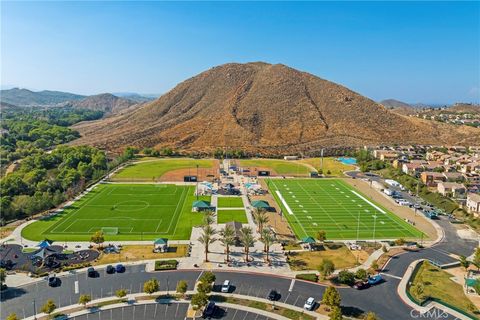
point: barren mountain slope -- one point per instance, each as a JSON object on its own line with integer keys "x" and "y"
{"x": 265, "y": 108}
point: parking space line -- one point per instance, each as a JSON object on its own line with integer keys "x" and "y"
{"x": 292, "y": 283}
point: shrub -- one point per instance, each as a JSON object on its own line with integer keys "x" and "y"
{"x": 326, "y": 268}
{"x": 166, "y": 265}
{"x": 199, "y": 300}
{"x": 48, "y": 307}
{"x": 182, "y": 287}
{"x": 204, "y": 287}
{"x": 121, "y": 293}
{"x": 400, "y": 242}
{"x": 307, "y": 276}
{"x": 361, "y": 274}
{"x": 207, "y": 277}
{"x": 346, "y": 277}
{"x": 150, "y": 286}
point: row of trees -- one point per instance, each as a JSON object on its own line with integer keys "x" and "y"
{"x": 228, "y": 238}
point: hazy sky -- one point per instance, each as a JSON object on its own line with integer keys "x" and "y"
{"x": 415, "y": 52}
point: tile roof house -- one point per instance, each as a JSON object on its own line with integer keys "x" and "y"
{"x": 473, "y": 203}
{"x": 451, "y": 189}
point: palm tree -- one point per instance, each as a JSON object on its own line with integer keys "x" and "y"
{"x": 228, "y": 239}
{"x": 247, "y": 239}
{"x": 267, "y": 239}
{"x": 208, "y": 217}
{"x": 207, "y": 238}
{"x": 261, "y": 218}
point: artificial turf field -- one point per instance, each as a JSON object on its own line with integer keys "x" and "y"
{"x": 137, "y": 211}
{"x": 311, "y": 205}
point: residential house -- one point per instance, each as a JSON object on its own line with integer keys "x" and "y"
{"x": 453, "y": 176}
{"x": 473, "y": 204}
{"x": 435, "y": 155}
{"x": 431, "y": 179}
{"x": 412, "y": 168}
{"x": 472, "y": 178}
{"x": 451, "y": 189}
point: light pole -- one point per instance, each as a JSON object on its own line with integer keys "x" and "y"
{"x": 197, "y": 182}
{"x": 34, "y": 310}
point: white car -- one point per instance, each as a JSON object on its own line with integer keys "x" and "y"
{"x": 309, "y": 304}
{"x": 226, "y": 286}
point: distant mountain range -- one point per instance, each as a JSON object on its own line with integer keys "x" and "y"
{"x": 106, "y": 102}
{"x": 264, "y": 109}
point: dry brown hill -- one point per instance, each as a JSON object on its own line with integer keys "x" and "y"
{"x": 105, "y": 102}
{"x": 264, "y": 108}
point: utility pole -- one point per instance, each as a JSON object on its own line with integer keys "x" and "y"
{"x": 197, "y": 182}
{"x": 321, "y": 160}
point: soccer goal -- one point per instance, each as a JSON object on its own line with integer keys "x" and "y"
{"x": 110, "y": 230}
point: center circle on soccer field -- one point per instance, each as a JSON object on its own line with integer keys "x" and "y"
{"x": 132, "y": 205}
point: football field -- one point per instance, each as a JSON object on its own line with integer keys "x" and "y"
{"x": 125, "y": 212}
{"x": 332, "y": 205}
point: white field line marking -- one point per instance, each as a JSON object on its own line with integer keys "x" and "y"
{"x": 285, "y": 204}
{"x": 367, "y": 201}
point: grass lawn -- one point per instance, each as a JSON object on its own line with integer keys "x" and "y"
{"x": 335, "y": 167}
{"x": 332, "y": 205}
{"x": 230, "y": 202}
{"x": 140, "y": 212}
{"x": 224, "y": 216}
{"x": 437, "y": 284}
{"x": 283, "y": 167}
{"x": 142, "y": 252}
{"x": 340, "y": 255}
{"x": 152, "y": 170}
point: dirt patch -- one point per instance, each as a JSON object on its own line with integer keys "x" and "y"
{"x": 204, "y": 174}
{"x": 403, "y": 212}
{"x": 141, "y": 252}
{"x": 254, "y": 171}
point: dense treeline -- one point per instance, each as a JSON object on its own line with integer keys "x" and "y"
{"x": 44, "y": 180}
{"x": 29, "y": 131}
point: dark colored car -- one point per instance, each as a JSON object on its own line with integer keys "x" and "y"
{"x": 273, "y": 295}
{"x": 120, "y": 268}
{"x": 91, "y": 273}
{"x": 210, "y": 310}
{"x": 53, "y": 281}
{"x": 360, "y": 285}
{"x": 110, "y": 269}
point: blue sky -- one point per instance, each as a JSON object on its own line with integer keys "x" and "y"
{"x": 411, "y": 51}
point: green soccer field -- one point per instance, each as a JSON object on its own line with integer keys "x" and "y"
{"x": 229, "y": 202}
{"x": 138, "y": 212}
{"x": 344, "y": 213}
{"x": 224, "y": 216}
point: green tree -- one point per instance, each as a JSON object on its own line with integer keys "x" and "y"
{"x": 247, "y": 240}
{"x": 476, "y": 258}
{"x": 151, "y": 286}
{"x": 326, "y": 268}
{"x": 335, "y": 313}
{"x": 182, "y": 287}
{"x": 121, "y": 293}
{"x": 227, "y": 239}
{"x": 207, "y": 238}
{"x": 346, "y": 277}
{"x": 267, "y": 239}
{"x": 3, "y": 276}
{"x": 48, "y": 307}
{"x": 371, "y": 316}
{"x": 97, "y": 237}
{"x": 361, "y": 274}
{"x": 331, "y": 297}
{"x": 261, "y": 218}
{"x": 374, "y": 266}
{"x": 208, "y": 277}
{"x": 204, "y": 287}
{"x": 84, "y": 299}
{"x": 321, "y": 236}
{"x": 12, "y": 316}
{"x": 199, "y": 300}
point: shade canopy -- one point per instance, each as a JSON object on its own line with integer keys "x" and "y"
{"x": 45, "y": 243}
{"x": 161, "y": 241}
{"x": 201, "y": 204}
{"x": 308, "y": 240}
{"x": 260, "y": 204}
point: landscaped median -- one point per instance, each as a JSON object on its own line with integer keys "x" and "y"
{"x": 250, "y": 304}
{"x": 425, "y": 286}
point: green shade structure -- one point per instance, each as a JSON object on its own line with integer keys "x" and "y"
{"x": 308, "y": 240}
{"x": 161, "y": 241}
{"x": 201, "y": 204}
{"x": 260, "y": 204}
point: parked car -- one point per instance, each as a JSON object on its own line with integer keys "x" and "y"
{"x": 309, "y": 304}
{"x": 376, "y": 279}
{"x": 209, "y": 310}
{"x": 360, "y": 285}
{"x": 226, "y": 286}
{"x": 91, "y": 273}
{"x": 53, "y": 281}
{"x": 110, "y": 269}
{"x": 273, "y": 295}
{"x": 120, "y": 268}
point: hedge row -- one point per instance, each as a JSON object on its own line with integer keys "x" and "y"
{"x": 166, "y": 265}
{"x": 307, "y": 276}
